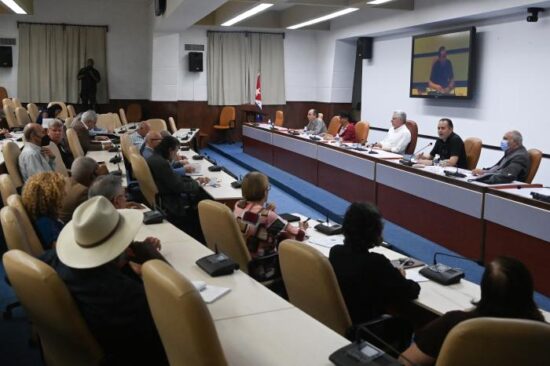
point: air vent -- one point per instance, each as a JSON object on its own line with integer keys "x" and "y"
{"x": 194, "y": 47}
{"x": 7, "y": 41}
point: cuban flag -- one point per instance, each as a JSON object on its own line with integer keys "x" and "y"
{"x": 258, "y": 92}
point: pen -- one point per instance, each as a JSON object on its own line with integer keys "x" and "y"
{"x": 403, "y": 262}
{"x": 309, "y": 218}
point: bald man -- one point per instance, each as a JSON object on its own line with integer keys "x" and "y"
{"x": 152, "y": 139}
{"x": 35, "y": 156}
{"x": 138, "y": 136}
{"x": 315, "y": 125}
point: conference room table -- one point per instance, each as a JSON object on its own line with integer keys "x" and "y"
{"x": 255, "y": 326}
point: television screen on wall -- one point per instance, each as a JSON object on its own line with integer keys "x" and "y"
{"x": 442, "y": 64}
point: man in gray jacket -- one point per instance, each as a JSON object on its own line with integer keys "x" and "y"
{"x": 515, "y": 163}
{"x": 315, "y": 126}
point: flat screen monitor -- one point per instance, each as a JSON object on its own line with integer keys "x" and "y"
{"x": 442, "y": 65}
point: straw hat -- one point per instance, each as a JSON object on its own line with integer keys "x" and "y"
{"x": 97, "y": 234}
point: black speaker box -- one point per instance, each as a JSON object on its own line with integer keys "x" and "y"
{"x": 364, "y": 48}
{"x": 5, "y": 56}
{"x": 195, "y": 61}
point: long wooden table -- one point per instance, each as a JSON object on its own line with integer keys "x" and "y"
{"x": 460, "y": 214}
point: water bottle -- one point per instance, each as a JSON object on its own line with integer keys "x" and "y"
{"x": 436, "y": 159}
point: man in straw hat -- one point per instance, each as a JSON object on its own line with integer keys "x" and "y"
{"x": 93, "y": 252}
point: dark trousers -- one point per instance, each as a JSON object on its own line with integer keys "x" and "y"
{"x": 88, "y": 99}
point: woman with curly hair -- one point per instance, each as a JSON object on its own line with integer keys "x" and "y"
{"x": 42, "y": 197}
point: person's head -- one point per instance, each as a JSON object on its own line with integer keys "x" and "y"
{"x": 55, "y": 131}
{"x": 89, "y": 118}
{"x": 255, "y": 187}
{"x": 507, "y": 290}
{"x": 143, "y": 128}
{"x": 110, "y": 187}
{"x": 34, "y": 133}
{"x": 345, "y": 118}
{"x": 98, "y": 234}
{"x": 442, "y": 54}
{"x": 84, "y": 170}
{"x": 398, "y": 118}
{"x": 362, "y": 226}
{"x": 152, "y": 139}
{"x": 312, "y": 115}
{"x": 444, "y": 128}
{"x": 43, "y": 194}
{"x": 53, "y": 111}
{"x": 90, "y": 62}
{"x": 168, "y": 147}
{"x": 511, "y": 140}
{"x": 321, "y": 116}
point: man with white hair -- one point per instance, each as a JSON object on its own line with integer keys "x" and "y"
{"x": 82, "y": 127}
{"x": 398, "y": 136}
{"x": 515, "y": 163}
{"x": 138, "y": 136}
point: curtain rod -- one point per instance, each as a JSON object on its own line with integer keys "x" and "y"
{"x": 248, "y": 32}
{"x": 66, "y": 24}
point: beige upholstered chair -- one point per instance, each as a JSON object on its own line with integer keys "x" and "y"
{"x": 157, "y": 124}
{"x": 68, "y": 122}
{"x": 33, "y": 111}
{"x": 362, "y": 131}
{"x": 133, "y": 112}
{"x": 413, "y": 128}
{"x": 334, "y": 125}
{"x": 13, "y": 230}
{"x": 64, "y": 113}
{"x": 312, "y": 285}
{"x": 222, "y": 232}
{"x": 123, "y": 118}
{"x": 16, "y": 103}
{"x": 108, "y": 121}
{"x": 279, "y": 118}
{"x": 7, "y": 188}
{"x": 9, "y": 112}
{"x": 33, "y": 241}
{"x": 7, "y": 101}
{"x": 59, "y": 163}
{"x": 125, "y": 143}
{"x": 74, "y": 143}
{"x": 64, "y": 335}
{"x": 472, "y": 146}
{"x": 22, "y": 116}
{"x": 181, "y": 316}
{"x": 11, "y": 152}
{"x": 496, "y": 341}
{"x": 172, "y": 123}
{"x": 145, "y": 179}
{"x": 535, "y": 156}
{"x": 71, "y": 111}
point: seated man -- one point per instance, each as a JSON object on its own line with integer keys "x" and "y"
{"x": 515, "y": 163}
{"x": 93, "y": 257}
{"x": 398, "y": 136}
{"x": 138, "y": 136}
{"x": 449, "y": 146}
{"x": 153, "y": 138}
{"x": 82, "y": 127}
{"x": 315, "y": 125}
{"x": 110, "y": 187}
{"x": 56, "y": 134}
{"x": 35, "y": 157}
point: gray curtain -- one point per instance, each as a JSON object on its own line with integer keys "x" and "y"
{"x": 234, "y": 61}
{"x": 50, "y": 56}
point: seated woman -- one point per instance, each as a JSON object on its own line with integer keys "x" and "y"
{"x": 368, "y": 281}
{"x": 178, "y": 195}
{"x": 42, "y": 197}
{"x": 262, "y": 228}
{"x": 347, "y": 129}
{"x": 506, "y": 292}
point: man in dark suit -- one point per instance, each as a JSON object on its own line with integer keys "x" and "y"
{"x": 89, "y": 78}
{"x": 515, "y": 163}
{"x": 82, "y": 128}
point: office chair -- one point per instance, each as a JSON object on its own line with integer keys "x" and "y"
{"x": 74, "y": 143}
{"x": 172, "y": 123}
{"x": 535, "y": 155}
{"x": 33, "y": 111}
{"x": 22, "y": 116}
{"x": 226, "y": 123}
{"x": 362, "y": 131}
{"x": 145, "y": 179}
{"x": 472, "y": 146}
{"x": 11, "y": 153}
{"x": 157, "y": 124}
{"x": 413, "y": 128}
{"x": 279, "y": 118}
{"x": 334, "y": 125}
{"x": 71, "y": 112}
{"x": 181, "y": 316}
{"x": 64, "y": 335}
{"x": 7, "y": 188}
{"x": 64, "y": 112}
{"x": 24, "y": 221}
{"x": 496, "y": 341}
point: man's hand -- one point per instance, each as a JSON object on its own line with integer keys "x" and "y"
{"x": 303, "y": 225}
{"x": 478, "y": 172}
{"x": 101, "y": 138}
{"x": 154, "y": 242}
{"x": 189, "y": 168}
{"x": 47, "y": 152}
{"x": 134, "y": 205}
{"x": 203, "y": 180}
{"x": 101, "y": 170}
{"x": 106, "y": 146}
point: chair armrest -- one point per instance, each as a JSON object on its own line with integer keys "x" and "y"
{"x": 270, "y": 259}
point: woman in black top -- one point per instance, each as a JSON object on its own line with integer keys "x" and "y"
{"x": 506, "y": 292}
{"x": 368, "y": 281}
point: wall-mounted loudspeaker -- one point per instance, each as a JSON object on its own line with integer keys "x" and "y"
{"x": 195, "y": 61}
{"x": 5, "y": 56}
{"x": 364, "y": 48}
{"x": 160, "y": 7}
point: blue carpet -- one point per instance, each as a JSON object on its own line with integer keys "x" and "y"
{"x": 305, "y": 196}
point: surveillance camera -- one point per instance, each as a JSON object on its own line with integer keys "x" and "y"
{"x": 533, "y": 14}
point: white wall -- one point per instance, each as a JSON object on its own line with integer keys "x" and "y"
{"x": 129, "y": 40}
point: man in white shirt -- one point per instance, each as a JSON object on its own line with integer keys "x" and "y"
{"x": 398, "y": 136}
{"x": 34, "y": 158}
{"x": 138, "y": 136}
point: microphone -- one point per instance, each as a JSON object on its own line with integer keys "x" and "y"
{"x": 372, "y": 152}
{"x": 540, "y": 197}
{"x": 443, "y": 274}
{"x": 424, "y": 148}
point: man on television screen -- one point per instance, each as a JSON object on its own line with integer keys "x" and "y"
{"x": 442, "y": 76}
